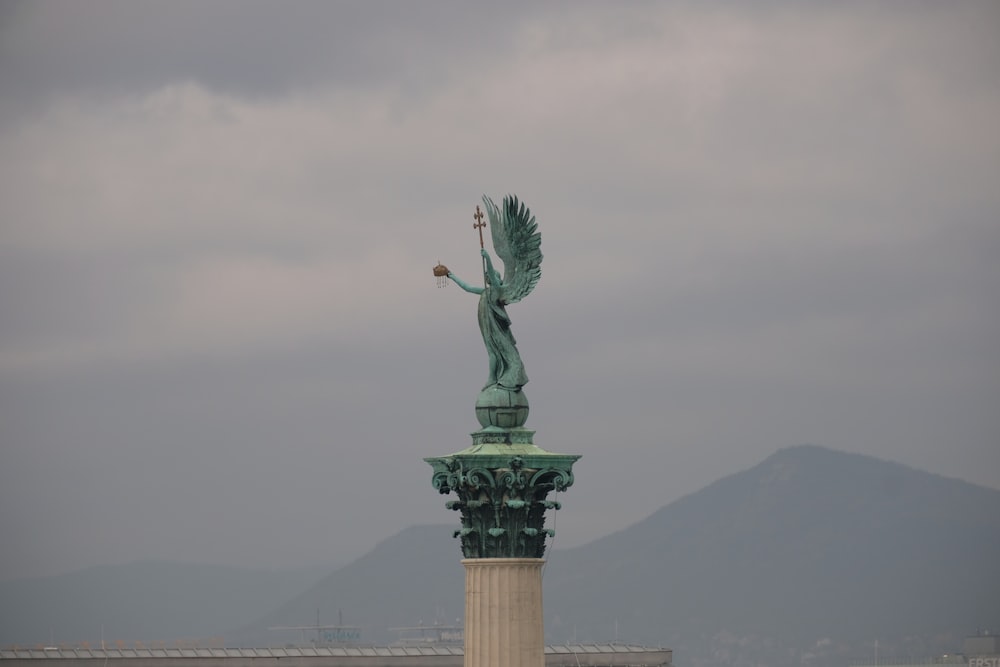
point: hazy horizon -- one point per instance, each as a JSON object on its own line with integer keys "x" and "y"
{"x": 765, "y": 566}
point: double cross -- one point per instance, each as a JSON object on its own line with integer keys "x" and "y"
{"x": 479, "y": 224}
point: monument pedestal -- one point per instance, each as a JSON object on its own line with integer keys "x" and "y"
{"x": 503, "y": 612}
{"x": 502, "y": 483}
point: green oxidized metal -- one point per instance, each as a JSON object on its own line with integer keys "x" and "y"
{"x": 503, "y": 493}
{"x": 517, "y": 242}
{"x": 500, "y": 407}
{"x": 503, "y": 480}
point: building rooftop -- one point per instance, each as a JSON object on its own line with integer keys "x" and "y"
{"x": 582, "y": 654}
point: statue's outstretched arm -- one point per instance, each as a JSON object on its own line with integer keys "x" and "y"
{"x": 464, "y": 285}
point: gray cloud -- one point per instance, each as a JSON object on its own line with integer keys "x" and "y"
{"x": 248, "y": 49}
{"x": 762, "y": 226}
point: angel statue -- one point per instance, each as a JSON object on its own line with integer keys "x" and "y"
{"x": 517, "y": 242}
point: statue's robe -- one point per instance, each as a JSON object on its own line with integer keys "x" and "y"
{"x": 506, "y": 368}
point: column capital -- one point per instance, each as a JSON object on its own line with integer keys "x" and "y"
{"x": 502, "y": 495}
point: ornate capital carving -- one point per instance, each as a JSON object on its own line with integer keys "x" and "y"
{"x": 502, "y": 497}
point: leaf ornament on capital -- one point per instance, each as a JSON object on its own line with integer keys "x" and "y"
{"x": 558, "y": 479}
{"x": 502, "y": 508}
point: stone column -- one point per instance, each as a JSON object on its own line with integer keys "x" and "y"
{"x": 503, "y": 612}
{"x": 503, "y": 482}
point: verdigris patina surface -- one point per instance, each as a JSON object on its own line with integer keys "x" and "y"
{"x": 503, "y": 480}
{"x": 502, "y": 497}
{"x": 517, "y": 242}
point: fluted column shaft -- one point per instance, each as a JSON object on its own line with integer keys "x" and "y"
{"x": 503, "y": 612}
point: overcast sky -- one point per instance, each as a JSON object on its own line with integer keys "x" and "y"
{"x": 763, "y": 224}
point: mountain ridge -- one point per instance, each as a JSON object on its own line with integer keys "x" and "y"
{"x": 143, "y": 600}
{"x": 809, "y": 548}
{"x": 808, "y": 543}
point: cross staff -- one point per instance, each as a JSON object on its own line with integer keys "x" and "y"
{"x": 479, "y": 224}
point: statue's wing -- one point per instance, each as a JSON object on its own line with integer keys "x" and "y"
{"x": 518, "y": 243}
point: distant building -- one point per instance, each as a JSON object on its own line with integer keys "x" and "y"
{"x": 983, "y": 650}
{"x": 979, "y": 650}
{"x": 579, "y": 655}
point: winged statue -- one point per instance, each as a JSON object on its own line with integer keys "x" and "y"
{"x": 517, "y": 242}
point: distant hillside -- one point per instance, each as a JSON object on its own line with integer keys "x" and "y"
{"x": 804, "y": 559}
{"x": 807, "y": 556}
{"x": 141, "y": 601}
{"x": 415, "y": 577}
{"x": 810, "y": 545}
